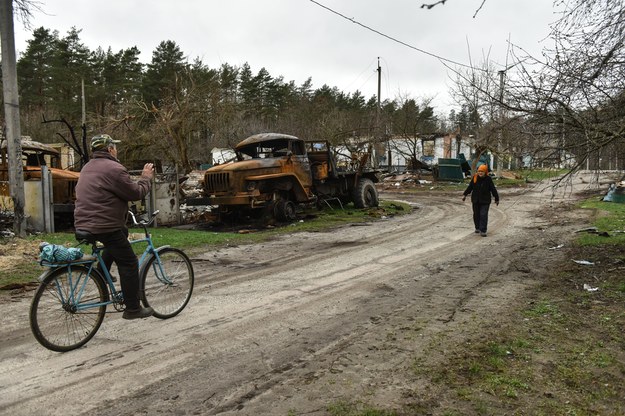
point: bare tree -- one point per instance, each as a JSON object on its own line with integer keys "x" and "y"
{"x": 566, "y": 104}
{"x": 477, "y": 91}
{"x": 575, "y": 92}
{"x": 178, "y": 121}
{"x": 413, "y": 122}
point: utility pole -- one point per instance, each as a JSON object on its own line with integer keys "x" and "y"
{"x": 377, "y": 117}
{"x": 83, "y": 126}
{"x": 379, "y": 70}
{"x": 12, "y": 116}
{"x": 499, "y": 133}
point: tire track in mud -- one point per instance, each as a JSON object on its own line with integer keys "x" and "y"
{"x": 325, "y": 245}
{"x": 379, "y": 252}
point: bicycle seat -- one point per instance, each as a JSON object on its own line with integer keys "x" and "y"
{"x": 82, "y": 235}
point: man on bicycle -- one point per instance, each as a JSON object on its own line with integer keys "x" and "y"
{"x": 102, "y": 195}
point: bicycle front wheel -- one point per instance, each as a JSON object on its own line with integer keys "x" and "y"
{"x": 167, "y": 282}
{"x": 68, "y": 308}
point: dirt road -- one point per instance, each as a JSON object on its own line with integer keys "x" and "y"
{"x": 303, "y": 321}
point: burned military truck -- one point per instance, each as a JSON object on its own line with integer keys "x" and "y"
{"x": 275, "y": 172}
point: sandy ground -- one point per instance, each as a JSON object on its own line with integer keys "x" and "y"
{"x": 303, "y": 321}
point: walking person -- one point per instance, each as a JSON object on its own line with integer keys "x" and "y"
{"x": 102, "y": 195}
{"x": 481, "y": 188}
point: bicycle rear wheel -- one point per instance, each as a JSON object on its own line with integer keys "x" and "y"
{"x": 167, "y": 282}
{"x": 61, "y": 317}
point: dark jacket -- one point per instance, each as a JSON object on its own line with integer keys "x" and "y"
{"x": 103, "y": 192}
{"x": 481, "y": 190}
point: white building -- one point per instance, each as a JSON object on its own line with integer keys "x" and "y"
{"x": 427, "y": 150}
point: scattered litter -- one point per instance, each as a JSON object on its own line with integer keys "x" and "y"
{"x": 556, "y": 247}
{"x": 588, "y": 288}
{"x": 593, "y": 230}
{"x": 584, "y": 262}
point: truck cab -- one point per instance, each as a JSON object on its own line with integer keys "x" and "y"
{"x": 272, "y": 172}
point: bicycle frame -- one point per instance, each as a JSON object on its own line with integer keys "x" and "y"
{"x": 77, "y": 288}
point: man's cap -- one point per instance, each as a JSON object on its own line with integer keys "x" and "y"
{"x": 102, "y": 142}
{"x": 483, "y": 168}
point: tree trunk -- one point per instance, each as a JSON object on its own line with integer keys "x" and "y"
{"x": 12, "y": 116}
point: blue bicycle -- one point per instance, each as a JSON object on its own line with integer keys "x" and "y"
{"x": 70, "y": 303}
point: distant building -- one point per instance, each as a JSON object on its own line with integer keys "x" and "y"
{"x": 427, "y": 150}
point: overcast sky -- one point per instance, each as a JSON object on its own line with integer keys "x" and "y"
{"x": 298, "y": 39}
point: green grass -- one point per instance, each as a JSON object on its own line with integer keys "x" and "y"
{"x": 610, "y": 218}
{"x": 540, "y": 174}
{"x": 27, "y": 269}
{"x": 529, "y": 176}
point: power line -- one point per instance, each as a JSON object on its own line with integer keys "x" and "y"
{"x": 440, "y": 58}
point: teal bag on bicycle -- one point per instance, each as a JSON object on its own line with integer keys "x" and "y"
{"x": 55, "y": 253}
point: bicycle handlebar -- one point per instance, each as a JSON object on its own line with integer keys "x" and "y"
{"x": 143, "y": 223}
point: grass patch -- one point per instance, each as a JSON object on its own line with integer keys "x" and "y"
{"x": 539, "y": 174}
{"x": 24, "y": 268}
{"x": 609, "y": 218}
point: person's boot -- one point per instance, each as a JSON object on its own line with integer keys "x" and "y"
{"x": 138, "y": 313}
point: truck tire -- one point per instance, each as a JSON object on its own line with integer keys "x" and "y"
{"x": 285, "y": 210}
{"x": 365, "y": 195}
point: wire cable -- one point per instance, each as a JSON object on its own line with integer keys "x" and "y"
{"x": 440, "y": 58}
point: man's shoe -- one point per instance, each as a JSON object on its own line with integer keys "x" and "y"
{"x": 138, "y": 313}
{"x": 483, "y": 234}
{"x": 477, "y": 231}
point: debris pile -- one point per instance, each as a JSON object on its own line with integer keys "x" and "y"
{"x": 396, "y": 180}
{"x": 192, "y": 185}
{"x": 6, "y": 223}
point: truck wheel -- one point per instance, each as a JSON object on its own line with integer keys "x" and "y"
{"x": 285, "y": 210}
{"x": 365, "y": 194}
